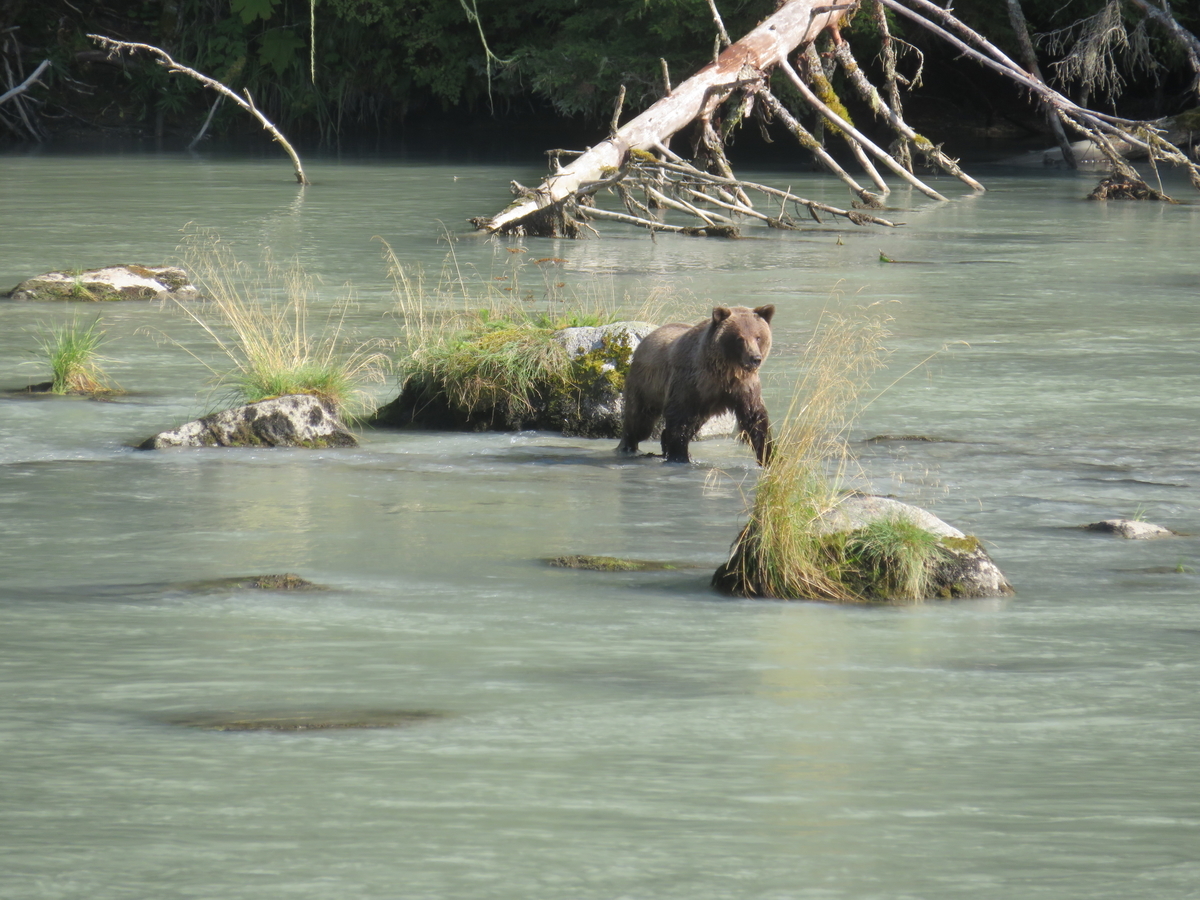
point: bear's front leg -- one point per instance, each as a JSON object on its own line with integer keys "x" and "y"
{"x": 679, "y": 428}
{"x": 752, "y": 420}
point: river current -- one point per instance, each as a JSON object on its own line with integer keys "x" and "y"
{"x": 587, "y": 735}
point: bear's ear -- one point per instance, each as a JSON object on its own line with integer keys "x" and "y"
{"x": 720, "y": 314}
{"x": 765, "y": 313}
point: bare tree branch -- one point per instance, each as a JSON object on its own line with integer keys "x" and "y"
{"x": 27, "y": 83}
{"x": 164, "y": 59}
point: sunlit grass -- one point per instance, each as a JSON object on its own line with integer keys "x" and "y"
{"x": 486, "y": 345}
{"x": 260, "y": 320}
{"x": 75, "y": 362}
{"x": 783, "y": 552}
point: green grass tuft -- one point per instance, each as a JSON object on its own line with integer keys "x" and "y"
{"x": 892, "y": 559}
{"x": 73, "y": 353}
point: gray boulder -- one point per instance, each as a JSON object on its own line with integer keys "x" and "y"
{"x": 126, "y": 282}
{"x": 1131, "y": 529}
{"x": 294, "y": 420}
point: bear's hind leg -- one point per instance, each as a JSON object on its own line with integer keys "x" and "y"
{"x": 638, "y": 423}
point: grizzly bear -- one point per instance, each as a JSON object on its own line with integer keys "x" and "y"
{"x": 688, "y": 374}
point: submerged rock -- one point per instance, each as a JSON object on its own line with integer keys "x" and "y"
{"x": 294, "y": 420}
{"x": 959, "y": 567}
{"x": 588, "y": 404}
{"x": 307, "y": 720}
{"x": 1131, "y": 529}
{"x": 127, "y": 282}
{"x": 285, "y": 582}
{"x": 607, "y": 564}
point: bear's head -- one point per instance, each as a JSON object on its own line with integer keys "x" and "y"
{"x": 742, "y": 336}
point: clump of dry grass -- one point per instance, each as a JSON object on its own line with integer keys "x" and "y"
{"x": 780, "y": 552}
{"x": 260, "y": 320}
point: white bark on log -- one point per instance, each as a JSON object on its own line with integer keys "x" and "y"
{"x": 815, "y": 102}
{"x": 797, "y": 22}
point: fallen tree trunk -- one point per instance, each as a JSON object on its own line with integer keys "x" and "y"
{"x": 636, "y": 157}
{"x": 742, "y": 64}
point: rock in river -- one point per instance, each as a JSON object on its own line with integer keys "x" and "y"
{"x": 957, "y": 567}
{"x": 1132, "y": 529}
{"x": 294, "y": 420}
{"x": 588, "y": 403}
{"x": 124, "y": 282}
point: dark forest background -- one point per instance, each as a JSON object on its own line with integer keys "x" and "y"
{"x": 329, "y": 71}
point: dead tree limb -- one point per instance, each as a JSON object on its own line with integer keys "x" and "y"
{"x": 880, "y": 107}
{"x": 247, "y": 102}
{"x": 745, "y": 62}
{"x": 1016, "y": 16}
{"x": 884, "y": 157}
{"x": 691, "y": 172}
{"x": 1105, "y": 131}
{"x": 1188, "y": 41}
{"x": 810, "y": 143}
{"x": 27, "y": 83}
{"x": 814, "y": 68}
{"x": 892, "y": 78}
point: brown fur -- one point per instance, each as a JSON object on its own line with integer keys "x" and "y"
{"x": 688, "y": 374}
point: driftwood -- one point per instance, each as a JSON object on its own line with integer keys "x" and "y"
{"x": 740, "y": 65}
{"x": 247, "y": 102}
{"x": 27, "y": 83}
{"x": 635, "y": 162}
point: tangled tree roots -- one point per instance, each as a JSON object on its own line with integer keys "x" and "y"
{"x": 1122, "y": 187}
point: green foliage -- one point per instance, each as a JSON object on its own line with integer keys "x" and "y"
{"x": 891, "y": 559}
{"x": 493, "y": 364}
{"x": 373, "y": 62}
{"x": 279, "y": 48}
{"x": 252, "y": 10}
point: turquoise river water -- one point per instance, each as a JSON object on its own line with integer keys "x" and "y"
{"x": 582, "y": 735}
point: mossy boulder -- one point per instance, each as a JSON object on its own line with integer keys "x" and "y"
{"x": 956, "y": 565}
{"x": 294, "y": 420}
{"x": 123, "y": 282}
{"x": 586, "y": 402}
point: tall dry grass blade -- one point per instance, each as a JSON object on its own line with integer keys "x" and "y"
{"x": 781, "y": 553}
{"x": 259, "y": 319}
